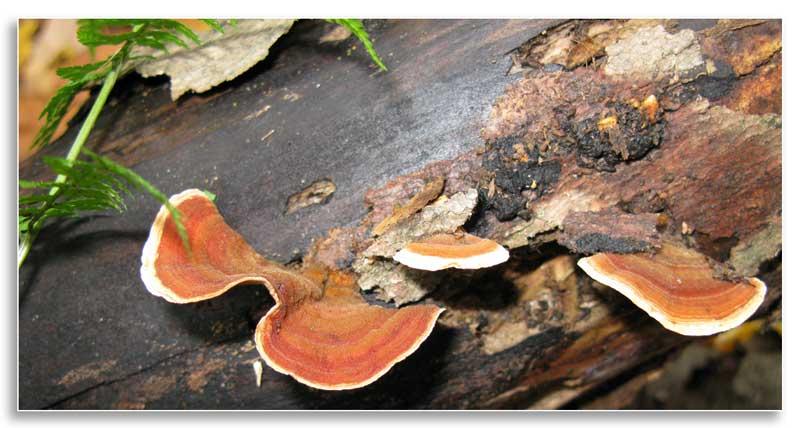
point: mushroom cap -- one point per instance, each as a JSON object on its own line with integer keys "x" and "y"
{"x": 676, "y": 286}
{"x": 342, "y": 342}
{"x": 445, "y": 250}
{"x": 327, "y": 338}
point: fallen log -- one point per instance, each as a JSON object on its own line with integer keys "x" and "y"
{"x": 570, "y": 136}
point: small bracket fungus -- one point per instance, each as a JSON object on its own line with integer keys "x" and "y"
{"x": 324, "y": 337}
{"x": 452, "y": 250}
{"x": 676, "y": 286}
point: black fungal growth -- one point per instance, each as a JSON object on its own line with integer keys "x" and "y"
{"x": 712, "y": 87}
{"x": 525, "y": 168}
{"x": 631, "y": 138}
{"x": 593, "y": 243}
{"x": 516, "y": 167}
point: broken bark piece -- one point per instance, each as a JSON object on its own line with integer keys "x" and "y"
{"x": 452, "y": 250}
{"x": 607, "y": 123}
{"x": 576, "y": 42}
{"x": 747, "y": 256}
{"x": 431, "y": 191}
{"x": 744, "y": 44}
{"x": 460, "y": 174}
{"x": 318, "y": 192}
{"x": 759, "y": 92}
{"x": 609, "y": 231}
{"x": 676, "y": 286}
{"x": 651, "y": 53}
{"x": 326, "y": 337}
{"x": 395, "y": 283}
{"x": 399, "y": 283}
{"x": 445, "y": 216}
{"x": 697, "y": 165}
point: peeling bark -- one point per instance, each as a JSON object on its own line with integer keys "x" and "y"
{"x": 554, "y": 176}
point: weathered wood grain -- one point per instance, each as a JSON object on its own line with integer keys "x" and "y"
{"x": 514, "y": 336}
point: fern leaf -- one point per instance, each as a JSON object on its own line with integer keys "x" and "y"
{"x": 357, "y": 28}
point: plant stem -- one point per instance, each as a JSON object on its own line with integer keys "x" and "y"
{"x": 75, "y": 149}
{"x": 88, "y": 124}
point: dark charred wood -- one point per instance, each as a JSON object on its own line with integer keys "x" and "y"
{"x": 535, "y": 332}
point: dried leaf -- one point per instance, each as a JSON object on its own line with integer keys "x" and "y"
{"x": 220, "y": 57}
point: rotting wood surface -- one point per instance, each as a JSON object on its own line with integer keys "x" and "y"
{"x": 534, "y": 332}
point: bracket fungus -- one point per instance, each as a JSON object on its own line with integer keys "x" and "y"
{"x": 677, "y": 287}
{"x": 452, "y": 250}
{"x": 325, "y": 336}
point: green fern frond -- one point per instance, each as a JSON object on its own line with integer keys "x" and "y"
{"x": 136, "y": 181}
{"x": 357, "y": 28}
{"x": 97, "y": 184}
{"x": 92, "y": 33}
{"x": 215, "y": 24}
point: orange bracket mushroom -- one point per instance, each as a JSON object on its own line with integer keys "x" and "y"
{"x": 676, "y": 286}
{"x": 456, "y": 250}
{"x": 325, "y": 338}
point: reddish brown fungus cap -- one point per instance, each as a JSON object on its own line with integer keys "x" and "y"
{"x": 327, "y": 339}
{"x": 676, "y": 286}
{"x": 456, "y": 250}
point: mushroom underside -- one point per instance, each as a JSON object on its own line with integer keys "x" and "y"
{"x": 677, "y": 287}
{"x": 452, "y": 250}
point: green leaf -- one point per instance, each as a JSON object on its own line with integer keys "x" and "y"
{"x": 153, "y": 43}
{"x": 137, "y": 181}
{"x": 79, "y": 72}
{"x": 23, "y": 223}
{"x": 27, "y": 184}
{"x": 154, "y": 33}
{"x": 54, "y": 112}
{"x": 33, "y": 199}
{"x": 99, "y": 184}
{"x": 93, "y": 33}
{"x": 178, "y": 27}
{"x": 96, "y": 185}
{"x": 215, "y": 24}
{"x": 357, "y": 28}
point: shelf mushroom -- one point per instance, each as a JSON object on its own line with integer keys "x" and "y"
{"x": 452, "y": 250}
{"x": 676, "y": 286}
{"x": 325, "y": 338}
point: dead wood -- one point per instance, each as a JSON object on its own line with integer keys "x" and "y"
{"x": 567, "y": 156}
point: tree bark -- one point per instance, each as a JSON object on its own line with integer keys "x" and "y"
{"x": 532, "y": 333}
